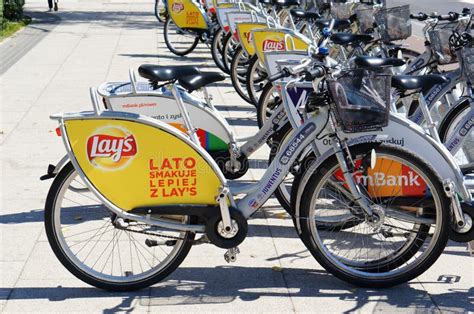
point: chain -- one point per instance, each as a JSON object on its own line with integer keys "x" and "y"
{"x": 155, "y": 234}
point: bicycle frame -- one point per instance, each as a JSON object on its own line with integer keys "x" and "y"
{"x": 256, "y": 193}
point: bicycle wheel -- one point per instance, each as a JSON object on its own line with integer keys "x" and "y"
{"x": 228, "y": 51}
{"x": 160, "y": 11}
{"x": 411, "y": 229}
{"x": 102, "y": 251}
{"x": 268, "y": 101}
{"x": 448, "y": 125}
{"x": 216, "y": 48}
{"x": 180, "y": 42}
{"x": 238, "y": 71}
{"x": 256, "y": 80}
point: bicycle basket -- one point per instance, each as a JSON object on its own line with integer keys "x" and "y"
{"x": 394, "y": 23}
{"x": 467, "y": 61}
{"x": 365, "y": 17}
{"x": 361, "y": 99}
{"x": 439, "y": 38}
{"x": 341, "y": 11}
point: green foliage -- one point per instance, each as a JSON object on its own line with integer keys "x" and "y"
{"x": 12, "y": 10}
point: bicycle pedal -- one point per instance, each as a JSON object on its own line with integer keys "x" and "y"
{"x": 230, "y": 255}
{"x": 152, "y": 243}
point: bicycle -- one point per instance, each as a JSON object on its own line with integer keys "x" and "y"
{"x": 129, "y": 153}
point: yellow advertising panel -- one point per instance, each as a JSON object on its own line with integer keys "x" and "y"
{"x": 135, "y": 165}
{"x": 245, "y": 35}
{"x": 186, "y": 14}
{"x": 277, "y": 40}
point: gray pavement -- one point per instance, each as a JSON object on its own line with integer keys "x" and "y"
{"x": 100, "y": 40}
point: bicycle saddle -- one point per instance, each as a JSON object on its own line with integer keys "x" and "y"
{"x": 166, "y": 73}
{"x": 286, "y": 3}
{"x": 338, "y": 24}
{"x": 423, "y": 82}
{"x": 266, "y": 2}
{"x": 369, "y": 62}
{"x": 304, "y": 15}
{"x": 348, "y": 38}
{"x": 193, "y": 82}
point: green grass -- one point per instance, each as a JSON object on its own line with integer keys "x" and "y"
{"x": 9, "y": 28}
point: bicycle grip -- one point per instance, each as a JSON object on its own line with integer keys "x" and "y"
{"x": 451, "y": 16}
{"x": 317, "y": 72}
{"x": 280, "y": 75}
{"x": 420, "y": 16}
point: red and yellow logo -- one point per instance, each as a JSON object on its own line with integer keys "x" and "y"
{"x": 177, "y": 6}
{"x": 273, "y": 45}
{"x": 111, "y": 148}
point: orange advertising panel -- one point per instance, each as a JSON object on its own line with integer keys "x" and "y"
{"x": 187, "y": 14}
{"x": 265, "y": 40}
{"x": 135, "y": 165}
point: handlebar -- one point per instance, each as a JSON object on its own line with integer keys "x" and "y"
{"x": 451, "y": 16}
{"x": 308, "y": 75}
{"x": 419, "y": 16}
{"x": 284, "y": 73}
{"x": 312, "y": 74}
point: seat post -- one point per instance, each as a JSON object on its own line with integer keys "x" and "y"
{"x": 431, "y": 125}
{"x": 184, "y": 112}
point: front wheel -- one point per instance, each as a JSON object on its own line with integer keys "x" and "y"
{"x": 101, "y": 250}
{"x": 179, "y": 41}
{"x": 407, "y": 233}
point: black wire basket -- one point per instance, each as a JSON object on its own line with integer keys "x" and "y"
{"x": 439, "y": 38}
{"x": 361, "y": 99}
{"x": 394, "y": 23}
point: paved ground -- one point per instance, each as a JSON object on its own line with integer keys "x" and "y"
{"x": 97, "y": 41}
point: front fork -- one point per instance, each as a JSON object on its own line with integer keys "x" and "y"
{"x": 345, "y": 162}
{"x": 449, "y": 189}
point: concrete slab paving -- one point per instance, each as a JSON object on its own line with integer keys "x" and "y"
{"x": 98, "y": 40}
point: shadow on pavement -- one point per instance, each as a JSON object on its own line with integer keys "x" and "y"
{"x": 225, "y": 284}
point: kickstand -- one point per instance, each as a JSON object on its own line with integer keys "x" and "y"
{"x": 230, "y": 255}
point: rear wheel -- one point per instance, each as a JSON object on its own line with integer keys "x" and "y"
{"x": 180, "y": 42}
{"x": 216, "y": 48}
{"x": 256, "y": 79}
{"x": 238, "y": 73}
{"x": 101, "y": 250}
{"x": 408, "y": 233}
{"x": 228, "y": 51}
{"x": 160, "y": 10}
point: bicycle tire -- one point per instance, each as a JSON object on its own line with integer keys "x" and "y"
{"x": 168, "y": 43}
{"x": 53, "y": 239}
{"x": 340, "y": 269}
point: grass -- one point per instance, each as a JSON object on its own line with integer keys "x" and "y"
{"x": 9, "y": 28}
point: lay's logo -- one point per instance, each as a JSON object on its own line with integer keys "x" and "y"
{"x": 248, "y": 36}
{"x": 111, "y": 148}
{"x": 177, "y": 7}
{"x": 273, "y": 45}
